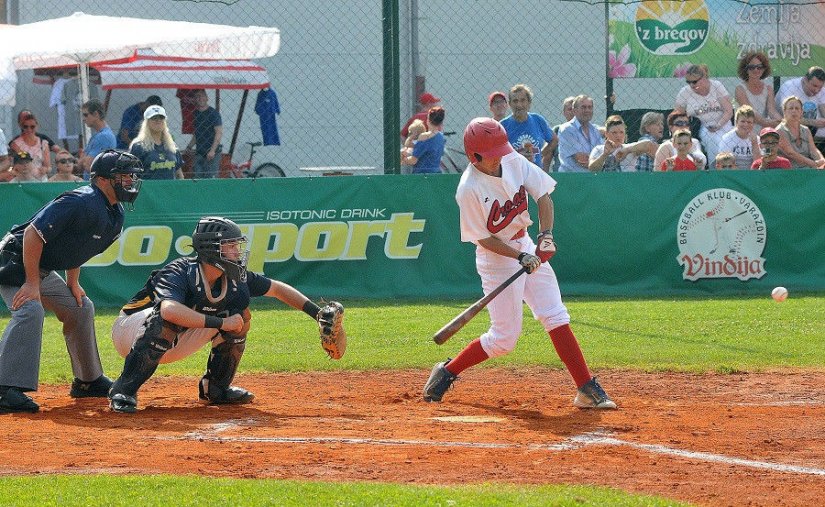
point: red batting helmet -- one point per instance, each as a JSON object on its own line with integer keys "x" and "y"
{"x": 487, "y": 138}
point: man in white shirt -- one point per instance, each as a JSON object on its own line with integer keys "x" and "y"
{"x": 809, "y": 89}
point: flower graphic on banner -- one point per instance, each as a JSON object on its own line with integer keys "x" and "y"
{"x": 618, "y": 65}
{"x": 681, "y": 70}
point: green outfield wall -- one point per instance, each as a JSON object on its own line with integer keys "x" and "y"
{"x": 397, "y": 236}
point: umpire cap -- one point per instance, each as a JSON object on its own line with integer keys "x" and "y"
{"x": 111, "y": 162}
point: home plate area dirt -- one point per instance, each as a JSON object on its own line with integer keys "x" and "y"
{"x": 740, "y": 439}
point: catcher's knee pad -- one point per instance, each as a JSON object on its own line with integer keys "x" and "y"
{"x": 221, "y": 367}
{"x": 143, "y": 359}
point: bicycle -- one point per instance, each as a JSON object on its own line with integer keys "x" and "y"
{"x": 453, "y": 160}
{"x": 244, "y": 169}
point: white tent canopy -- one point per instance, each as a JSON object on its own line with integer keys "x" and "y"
{"x": 100, "y": 39}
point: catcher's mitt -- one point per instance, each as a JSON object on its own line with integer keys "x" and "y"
{"x": 331, "y": 324}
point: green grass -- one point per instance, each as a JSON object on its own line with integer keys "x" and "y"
{"x": 147, "y": 491}
{"x": 724, "y": 334}
{"x": 692, "y": 335}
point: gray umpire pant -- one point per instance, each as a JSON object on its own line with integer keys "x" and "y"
{"x": 22, "y": 339}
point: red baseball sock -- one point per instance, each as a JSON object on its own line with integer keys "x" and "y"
{"x": 567, "y": 347}
{"x": 470, "y": 356}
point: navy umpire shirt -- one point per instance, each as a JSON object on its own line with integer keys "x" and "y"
{"x": 75, "y": 226}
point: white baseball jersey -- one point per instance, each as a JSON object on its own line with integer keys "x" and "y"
{"x": 493, "y": 206}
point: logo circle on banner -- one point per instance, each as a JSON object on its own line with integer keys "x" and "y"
{"x": 672, "y": 28}
{"x": 721, "y": 233}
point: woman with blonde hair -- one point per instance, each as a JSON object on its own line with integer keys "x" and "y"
{"x": 155, "y": 147}
{"x": 796, "y": 143}
{"x": 707, "y": 100}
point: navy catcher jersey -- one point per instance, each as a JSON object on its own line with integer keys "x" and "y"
{"x": 181, "y": 281}
{"x": 75, "y": 226}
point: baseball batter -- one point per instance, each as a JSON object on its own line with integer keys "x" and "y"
{"x": 63, "y": 235}
{"x": 493, "y": 206}
{"x": 193, "y": 301}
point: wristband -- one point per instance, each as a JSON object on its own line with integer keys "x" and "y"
{"x": 210, "y": 321}
{"x": 521, "y": 256}
{"x": 311, "y": 309}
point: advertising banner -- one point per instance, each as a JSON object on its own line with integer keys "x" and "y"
{"x": 662, "y": 39}
{"x": 396, "y": 236}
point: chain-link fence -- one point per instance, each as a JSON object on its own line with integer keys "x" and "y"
{"x": 338, "y": 61}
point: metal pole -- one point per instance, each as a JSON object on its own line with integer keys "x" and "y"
{"x": 608, "y": 89}
{"x": 392, "y": 78}
{"x": 415, "y": 62}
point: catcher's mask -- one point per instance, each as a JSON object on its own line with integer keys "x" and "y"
{"x": 219, "y": 242}
{"x": 123, "y": 169}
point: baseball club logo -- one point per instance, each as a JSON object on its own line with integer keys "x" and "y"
{"x": 721, "y": 234}
{"x": 672, "y": 28}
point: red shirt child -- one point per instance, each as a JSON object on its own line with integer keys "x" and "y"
{"x": 683, "y": 143}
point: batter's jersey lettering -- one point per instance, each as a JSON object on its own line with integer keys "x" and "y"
{"x": 498, "y": 206}
{"x": 181, "y": 281}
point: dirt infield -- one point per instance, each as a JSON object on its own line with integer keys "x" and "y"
{"x": 743, "y": 439}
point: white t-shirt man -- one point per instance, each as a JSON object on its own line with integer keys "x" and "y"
{"x": 811, "y": 106}
{"x": 742, "y": 149}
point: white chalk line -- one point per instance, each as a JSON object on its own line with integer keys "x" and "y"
{"x": 575, "y": 442}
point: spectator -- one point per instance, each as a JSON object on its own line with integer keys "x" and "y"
{"x": 770, "y": 159}
{"x": 155, "y": 147}
{"x": 567, "y": 112}
{"x": 207, "y": 138}
{"x": 65, "y": 167}
{"x": 529, "y": 132}
{"x": 725, "y": 160}
{"x": 32, "y": 144}
{"x": 708, "y": 101}
{"x": 5, "y": 161}
{"x": 677, "y": 120}
{"x": 578, "y": 137}
{"x": 53, "y": 147}
{"x": 651, "y": 128}
{"x": 498, "y": 105}
{"x": 683, "y": 160}
{"x": 796, "y": 142}
{"x": 614, "y": 154}
{"x": 425, "y": 102}
{"x": 741, "y": 141}
{"x": 753, "y": 91}
{"x": 429, "y": 148}
{"x": 24, "y": 169}
{"x": 132, "y": 119}
{"x": 808, "y": 89}
{"x": 94, "y": 116}
{"x": 417, "y": 128}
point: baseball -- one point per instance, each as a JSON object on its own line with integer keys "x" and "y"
{"x": 779, "y": 294}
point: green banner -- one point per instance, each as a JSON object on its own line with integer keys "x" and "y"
{"x": 661, "y": 39}
{"x": 397, "y": 236}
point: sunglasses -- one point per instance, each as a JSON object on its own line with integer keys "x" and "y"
{"x": 86, "y": 114}
{"x": 692, "y": 82}
{"x": 29, "y": 127}
{"x": 758, "y": 66}
{"x": 65, "y": 161}
{"x": 681, "y": 123}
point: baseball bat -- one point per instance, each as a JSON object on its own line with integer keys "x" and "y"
{"x": 452, "y": 327}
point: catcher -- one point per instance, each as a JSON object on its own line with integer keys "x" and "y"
{"x": 197, "y": 300}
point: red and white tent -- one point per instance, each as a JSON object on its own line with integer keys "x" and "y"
{"x": 148, "y": 70}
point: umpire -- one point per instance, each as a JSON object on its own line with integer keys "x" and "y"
{"x": 63, "y": 235}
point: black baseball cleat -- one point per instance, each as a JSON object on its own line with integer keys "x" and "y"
{"x": 440, "y": 380}
{"x": 214, "y": 395}
{"x": 13, "y": 400}
{"x": 98, "y": 388}
{"x": 123, "y": 403}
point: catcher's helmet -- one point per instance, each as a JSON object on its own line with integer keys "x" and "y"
{"x": 213, "y": 240}
{"x": 485, "y": 137}
{"x": 109, "y": 163}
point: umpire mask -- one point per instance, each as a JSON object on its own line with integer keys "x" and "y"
{"x": 123, "y": 170}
